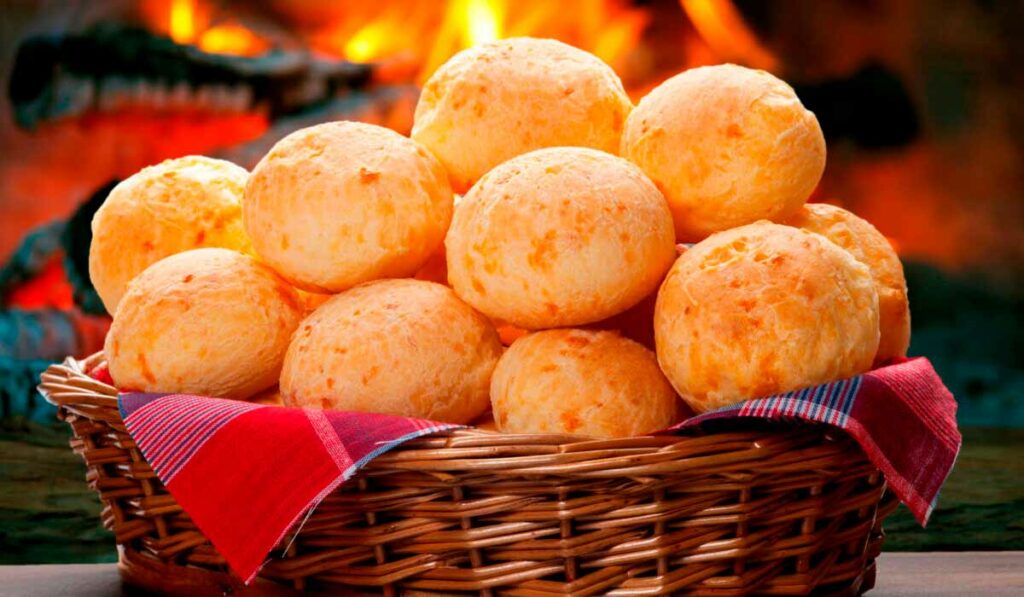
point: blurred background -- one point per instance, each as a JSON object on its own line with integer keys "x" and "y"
{"x": 921, "y": 104}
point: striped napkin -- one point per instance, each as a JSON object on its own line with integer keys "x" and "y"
{"x": 902, "y": 416}
{"x": 228, "y": 463}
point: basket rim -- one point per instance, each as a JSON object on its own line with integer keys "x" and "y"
{"x": 68, "y": 386}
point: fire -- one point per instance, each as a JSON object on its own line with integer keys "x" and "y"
{"x": 367, "y": 43}
{"x": 234, "y": 39}
{"x": 183, "y": 21}
{"x": 722, "y": 27}
{"x": 466, "y": 23}
{"x": 482, "y": 21}
{"x": 192, "y": 22}
{"x": 426, "y": 34}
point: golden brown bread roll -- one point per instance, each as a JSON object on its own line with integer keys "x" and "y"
{"x": 871, "y": 248}
{"x": 177, "y": 205}
{"x": 207, "y": 321}
{"x": 501, "y": 99}
{"x": 727, "y": 146}
{"x": 763, "y": 309}
{"x": 593, "y": 383}
{"x": 559, "y": 237}
{"x": 342, "y": 203}
{"x": 398, "y": 347}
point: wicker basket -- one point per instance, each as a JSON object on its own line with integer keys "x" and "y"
{"x": 770, "y": 510}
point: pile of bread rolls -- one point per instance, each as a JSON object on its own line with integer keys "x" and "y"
{"x": 554, "y": 291}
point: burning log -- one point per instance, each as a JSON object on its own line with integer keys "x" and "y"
{"x": 110, "y": 66}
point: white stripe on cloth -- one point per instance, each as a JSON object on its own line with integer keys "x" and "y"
{"x": 166, "y": 448}
{"x": 213, "y": 422}
{"x": 195, "y": 419}
{"x": 322, "y": 425}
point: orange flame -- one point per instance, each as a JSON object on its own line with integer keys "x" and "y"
{"x": 722, "y": 27}
{"x": 234, "y": 39}
{"x": 482, "y": 21}
{"x": 409, "y": 39}
{"x": 368, "y": 42}
{"x": 183, "y": 21}
{"x": 425, "y": 35}
{"x": 191, "y": 22}
{"x": 466, "y": 23}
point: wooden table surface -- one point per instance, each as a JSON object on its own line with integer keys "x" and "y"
{"x": 936, "y": 574}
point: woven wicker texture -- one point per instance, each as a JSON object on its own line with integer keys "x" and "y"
{"x": 781, "y": 511}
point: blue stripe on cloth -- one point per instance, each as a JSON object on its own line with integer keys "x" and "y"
{"x": 853, "y": 386}
{"x": 831, "y": 400}
{"x": 826, "y": 403}
{"x": 796, "y": 406}
{"x": 177, "y": 461}
{"x": 184, "y": 443}
{"x": 785, "y": 404}
{"x": 803, "y": 407}
{"x": 152, "y": 431}
{"x": 129, "y": 403}
{"x": 145, "y": 420}
{"x": 814, "y": 394}
{"x": 193, "y": 418}
{"x": 200, "y": 412}
{"x": 745, "y": 409}
{"x": 825, "y": 398}
{"x": 789, "y": 406}
{"x": 154, "y": 414}
{"x": 386, "y": 446}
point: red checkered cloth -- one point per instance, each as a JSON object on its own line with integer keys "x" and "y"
{"x": 230, "y": 463}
